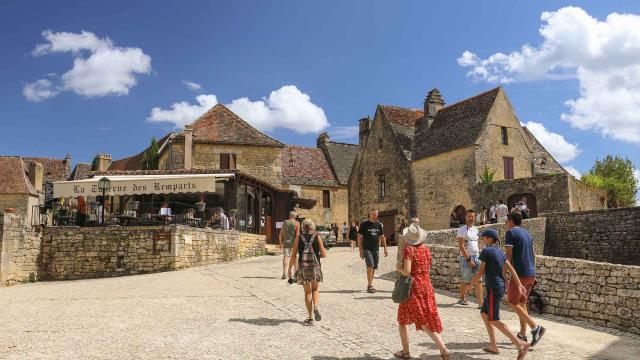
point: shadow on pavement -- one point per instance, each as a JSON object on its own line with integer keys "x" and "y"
{"x": 390, "y": 276}
{"x": 364, "y": 357}
{"x": 351, "y": 291}
{"x": 264, "y": 321}
{"x": 263, "y": 277}
{"x": 373, "y": 298}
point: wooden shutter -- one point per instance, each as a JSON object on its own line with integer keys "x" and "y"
{"x": 233, "y": 164}
{"x": 326, "y": 199}
{"x": 224, "y": 161}
{"x": 508, "y": 167}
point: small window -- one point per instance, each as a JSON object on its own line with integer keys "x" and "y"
{"x": 380, "y": 143}
{"x": 227, "y": 161}
{"x": 382, "y": 187}
{"x": 508, "y": 167}
{"x": 326, "y": 199}
{"x": 505, "y": 135}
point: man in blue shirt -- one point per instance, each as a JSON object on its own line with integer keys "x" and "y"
{"x": 494, "y": 266}
{"x": 519, "y": 247}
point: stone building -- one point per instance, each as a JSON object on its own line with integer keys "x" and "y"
{"x": 20, "y": 187}
{"x": 431, "y": 162}
{"x": 315, "y": 178}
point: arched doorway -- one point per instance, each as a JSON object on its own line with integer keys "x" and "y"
{"x": 531, "y": 203}
{"x": 459, "y": 215}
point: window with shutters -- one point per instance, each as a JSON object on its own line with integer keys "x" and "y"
{"x": 508, "y": 167}
{"x": 382, "y": 186}
{"x": 505, "y": 136}
{"x": 227, "y": 161}
{"x": 326, "y": 199}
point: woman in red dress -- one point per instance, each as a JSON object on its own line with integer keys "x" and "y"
{"x": 420, "y": 309}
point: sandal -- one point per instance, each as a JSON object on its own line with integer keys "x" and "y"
{"x": 308, "y": 322}
{"x": 445, "y": 356}
{"x": 522, "y": 353}
{"x": 402, "y": 355}
{"x": 371, "y": 289}
{"x": 487, "y": 350}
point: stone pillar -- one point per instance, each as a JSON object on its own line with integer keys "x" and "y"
{"x": 188, "y": 146}
{"x": 365, "y": 126}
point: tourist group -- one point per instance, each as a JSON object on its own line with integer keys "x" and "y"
{"x": 512, "y": 273}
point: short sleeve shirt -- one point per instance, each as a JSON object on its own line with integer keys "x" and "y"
{"x": 371, "y": 232}
{"x": 470, "y": 236}
{"x": 494, "y": 260}
{"x": 522, "y": 255}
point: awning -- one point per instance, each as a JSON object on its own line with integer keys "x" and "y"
{"x": 140, "y": 184}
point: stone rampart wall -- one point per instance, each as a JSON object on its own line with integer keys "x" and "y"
{"x": 536, "y": 228}
{"x": 611, "y": 235}
{"x": 600, "y": 293}
{"x": 19, "y": 250}
{"x": 77, "y": 253}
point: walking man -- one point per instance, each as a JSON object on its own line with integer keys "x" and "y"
{"x": 370, "y": 236}
{"x": 343, "y": 229}
{"x": 519, "y": 248}
{"x": 501, "y": 211}
{"x": 469, "y": 252}
{"x": 288, "y": 234}
{"x": 493, "y": 219}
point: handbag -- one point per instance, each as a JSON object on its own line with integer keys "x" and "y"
{"x": 402, "y": 289}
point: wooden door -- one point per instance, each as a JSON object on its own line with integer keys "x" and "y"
{"x": 389, "y": 225}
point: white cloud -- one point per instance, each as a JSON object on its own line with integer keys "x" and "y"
{"x": 99, "y": 68}
{"x": 344, "y": 132}
{"x": 556, "y": 144}
{"x": 39, "y": 90}
{"x": 603, "y": 55}
{"x": 286, "y": 107}
{"x": 192, "y": 85}
{"x": 183, "y": 113}
{"x": 573, "y": 171}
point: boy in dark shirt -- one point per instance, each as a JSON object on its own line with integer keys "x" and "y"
{"x": 494, "y": 266}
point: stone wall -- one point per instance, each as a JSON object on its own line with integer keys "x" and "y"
{"x": 336, "y": 213}
{"x": 536, "y": 227}
{"x": 441, "y": 183}
{"x": 599, "y": 293}
{"x": 23, "y": 203}
{"x": 77, "y": 253}
{"x": 610, "y": 235}
{"x": 19, "y": 250}
{"x": 584, "y": 197}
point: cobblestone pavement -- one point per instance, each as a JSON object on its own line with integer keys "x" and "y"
{"x": 244, "y": 311}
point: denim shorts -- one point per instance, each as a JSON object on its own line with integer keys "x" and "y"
{"x": 371, "y": 258}
{"x": 467, "y": 272}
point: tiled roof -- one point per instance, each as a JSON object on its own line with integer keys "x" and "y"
{"x": 543, "y": 161}
{"x": 306, "y": 166}
{"x": 13, "y": 177}
{"x": 54, "y": 169}
{"x": 455, "y": 126}
{"x": 81, "y": 171}
{"x": 135, "y": 162}
{"x": 221, "y": 125}
{"x": 341, "y": 158}
{"x": 402, "y": 116}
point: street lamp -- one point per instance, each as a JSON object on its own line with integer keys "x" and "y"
{"x": 103, "y": 184}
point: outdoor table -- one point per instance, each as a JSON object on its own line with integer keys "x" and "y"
{"x": 126, "y": 219}
{"x": 165, "y": 218}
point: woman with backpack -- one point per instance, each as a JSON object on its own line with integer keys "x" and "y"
{"x": 310, "y": 249}
{"x": 420, "y": 308}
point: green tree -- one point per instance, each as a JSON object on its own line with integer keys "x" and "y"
{"x": 94, "y": 164}
{"x": 150, "y": 157}
{"x": 615, "y": 175}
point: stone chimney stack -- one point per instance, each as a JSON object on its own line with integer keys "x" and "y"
{"x": 365, "y": 127}
{"x": 67, "y": 163}
{"x": 432, "y": 104}
{"x": 104, "y": 161}
{"x": 188, "y": 146}
{"x": 36, "y": 175}
{"x": 322, "y": 140}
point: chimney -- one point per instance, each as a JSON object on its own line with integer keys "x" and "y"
{"x": 432, "y": 104}
{"x": 188, "y": 146}
{"x": 365, "y": 126}
{"x": 322, "y": 140}
{"x": 67, "y": 163}
{"x": 36, "y": 175}
{"x": 104, "y": 161}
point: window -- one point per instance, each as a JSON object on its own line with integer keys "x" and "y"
{"x": 227, "y": 161}
{"x": 505, "y": 135}
{"x": 380, "y": 143}
{"x": 382, "y": 187}
{"x": 508, "y": 167}
{"x": 326, "y": 199}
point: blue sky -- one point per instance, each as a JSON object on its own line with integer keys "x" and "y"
{"x": 305, "y": 66}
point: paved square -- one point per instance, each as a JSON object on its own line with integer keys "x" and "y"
{"x": 244, "y": 311}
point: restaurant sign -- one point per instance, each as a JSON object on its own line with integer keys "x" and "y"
{"x": 137, "y": 185}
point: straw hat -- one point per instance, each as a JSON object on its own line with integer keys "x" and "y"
{"x": 415, "y": 235}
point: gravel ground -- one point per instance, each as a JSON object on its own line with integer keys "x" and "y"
{"x": 244, "y": 311}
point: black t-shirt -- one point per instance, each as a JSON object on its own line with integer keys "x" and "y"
{"x": 371, "y": 232}
{"x": 353, "y": 233}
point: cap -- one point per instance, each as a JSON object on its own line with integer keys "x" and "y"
{"x": 490, "y": 233}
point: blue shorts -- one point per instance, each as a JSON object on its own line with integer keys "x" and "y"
{"x": 467, "y": 272}
{"x": 371, "y": 258}
{"x": 491, "y": 304}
